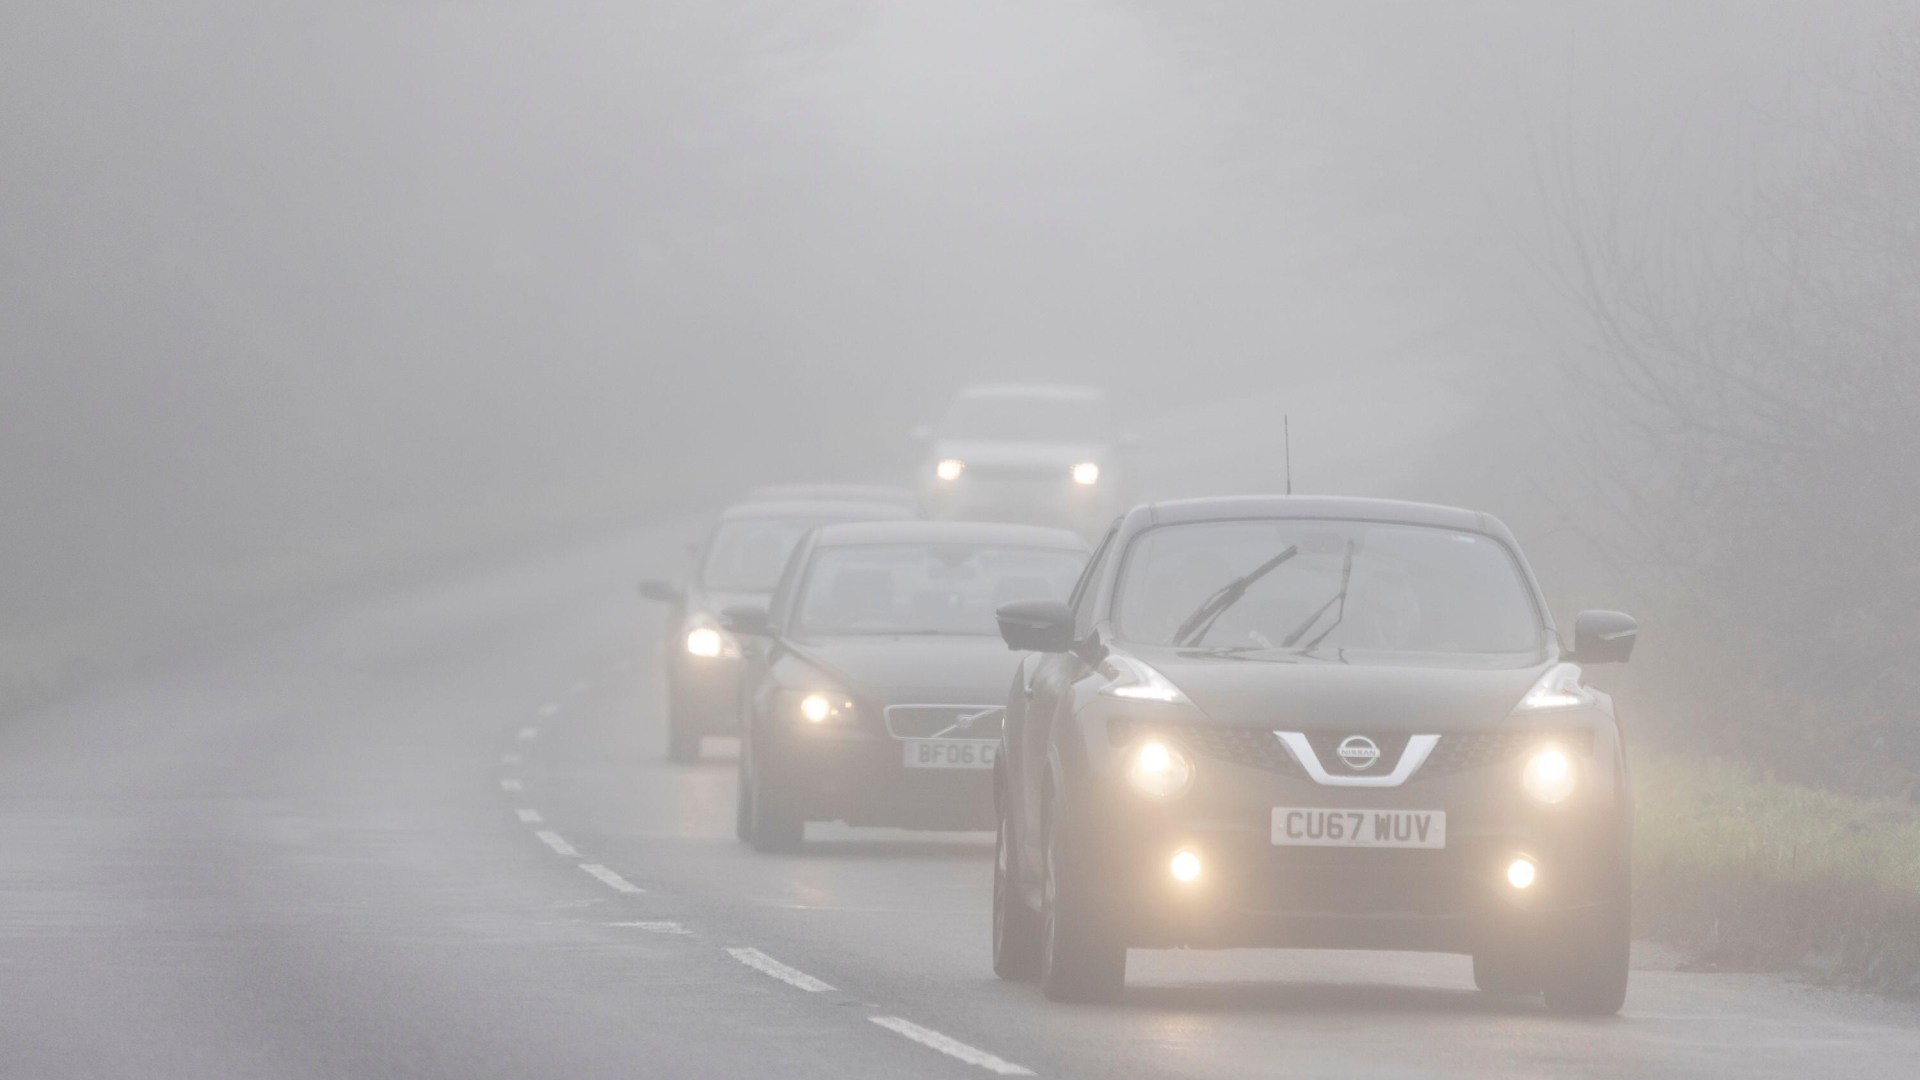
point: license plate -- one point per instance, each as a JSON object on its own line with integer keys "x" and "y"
{"x": 1302, "y": 827}
{"x": 950, "y": 754}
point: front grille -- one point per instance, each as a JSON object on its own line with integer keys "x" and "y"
{"x": 1031, "y": 474}
{"x": 1260, "y": 748}
{"x": 1466, "y": 750}
{"x": 945, "y": 721}
{"x": 1256, "y": 748}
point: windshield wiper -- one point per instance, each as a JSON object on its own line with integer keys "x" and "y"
{"x": 1346, "y": 578}
{"x": 1196, "y": 625}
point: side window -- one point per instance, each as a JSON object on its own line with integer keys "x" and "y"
{"x": 1083, "y": 590}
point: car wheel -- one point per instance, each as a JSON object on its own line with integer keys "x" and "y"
{"x": 1080, "y": 958}
{"x": 683, "y": 732}
{"x": 1503, "y": 968}
{"x": 771, "y": 823}
{"x": 1590, "y": 975}
{"x": 1016, "y": 927}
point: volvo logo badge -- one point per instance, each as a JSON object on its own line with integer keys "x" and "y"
{"x": 1359, "y": 752}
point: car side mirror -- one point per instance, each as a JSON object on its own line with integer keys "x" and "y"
{"x": 1603, "y": 637}
{"x": 1036, "y": 626}
{"x": 661, "y": 592}
{"x": 747, "y": 621}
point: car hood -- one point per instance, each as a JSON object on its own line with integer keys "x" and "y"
{"x": 1022, "y": 455}
{"x": 1383, "y": 694}
{"x": 916, "y": 670}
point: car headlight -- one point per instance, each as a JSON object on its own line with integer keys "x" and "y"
{"x": 1559, "y": 688}
{"x": 819, "y": 708}
{"x": 1136, "y": 681}
{"x": 1159, "y": 770}
{"x": 1550, "y": 776}
{"x": 1086, "y": 474}
{"x": 949, "y": 469}
{"x": 709, "y": 642}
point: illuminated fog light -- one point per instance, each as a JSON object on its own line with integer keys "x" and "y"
{"x": 1086, "y": 474}
{"x": 1159, "y": 771}
{"x": 949, "y": 469}
{"x": 1521, "y": 872}
{"x": 1549, "y": 776}
{"x": 1185, "y": 866}
{"x": 816, "y": 708}
{"x": 704, "y": 641}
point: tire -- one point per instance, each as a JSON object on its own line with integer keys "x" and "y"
{"x": 1016, "y": 927}
{"x": 1504, "y": 969}
{"x": 1081, "y": 959}
{"x": 1589, "y": 975}
{"x": 772, "y": 824}
{"x": 683, "y": 731}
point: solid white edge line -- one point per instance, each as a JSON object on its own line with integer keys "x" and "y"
{"x": 950, "y": 1046}
{"x": 557, "y": 842}
{"x": 610, "y": 879}
{"x": 510, "y": 784}
{"x": 767, "y": 965}
{"x": 529, "y": 817}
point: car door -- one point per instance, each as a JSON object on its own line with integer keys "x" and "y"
{"x": 1046, "y": 688}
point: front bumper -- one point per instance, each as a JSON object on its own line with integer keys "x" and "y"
{"x": 860, "y": 777}
{"x": 1252, "y": 892}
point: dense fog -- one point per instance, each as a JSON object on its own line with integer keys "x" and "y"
{"x": 293, "y": 288}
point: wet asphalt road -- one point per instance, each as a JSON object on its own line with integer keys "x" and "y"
{"x": 432, "y": 835}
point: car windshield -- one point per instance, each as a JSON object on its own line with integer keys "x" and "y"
{"x": 1011, "y": 418}
{"x": 1345, "y": 585}
{"x": 748, "y": 555}
{"x": 925, "y": 588}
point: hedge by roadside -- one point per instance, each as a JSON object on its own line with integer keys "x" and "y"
{"x": 1752, "y": 874}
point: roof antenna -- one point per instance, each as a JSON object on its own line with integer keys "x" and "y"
{"x": 1286, "y": 436}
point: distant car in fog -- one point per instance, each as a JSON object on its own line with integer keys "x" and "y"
{"x": 1313, "y": 723}
{"x": 1042, "y": 454}
{"x": 737, "y": 565}
{"x": 879, "y": 493}
{"x": 875, "y": 682}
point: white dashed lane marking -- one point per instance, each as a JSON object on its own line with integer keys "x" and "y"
{"x": 509, "y": 759}
{"x": 510, "y": 784}
{"x": 528, "y": 734}
{"x": 654, "y": 927}
{"x": 581, "y": 687}
{"x": 529, "y": 817}
{"x": 610, "y": 879}
{"x": 549, "y": 709}
{"x": 767, "y": 965}
{"x": 951, "y": 1046}
{"x": 558, "y": 843}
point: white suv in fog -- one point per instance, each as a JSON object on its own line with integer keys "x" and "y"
{"x": 1041, "y": 454}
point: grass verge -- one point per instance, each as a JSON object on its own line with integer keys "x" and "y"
{"x": 1753, "y": 874}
